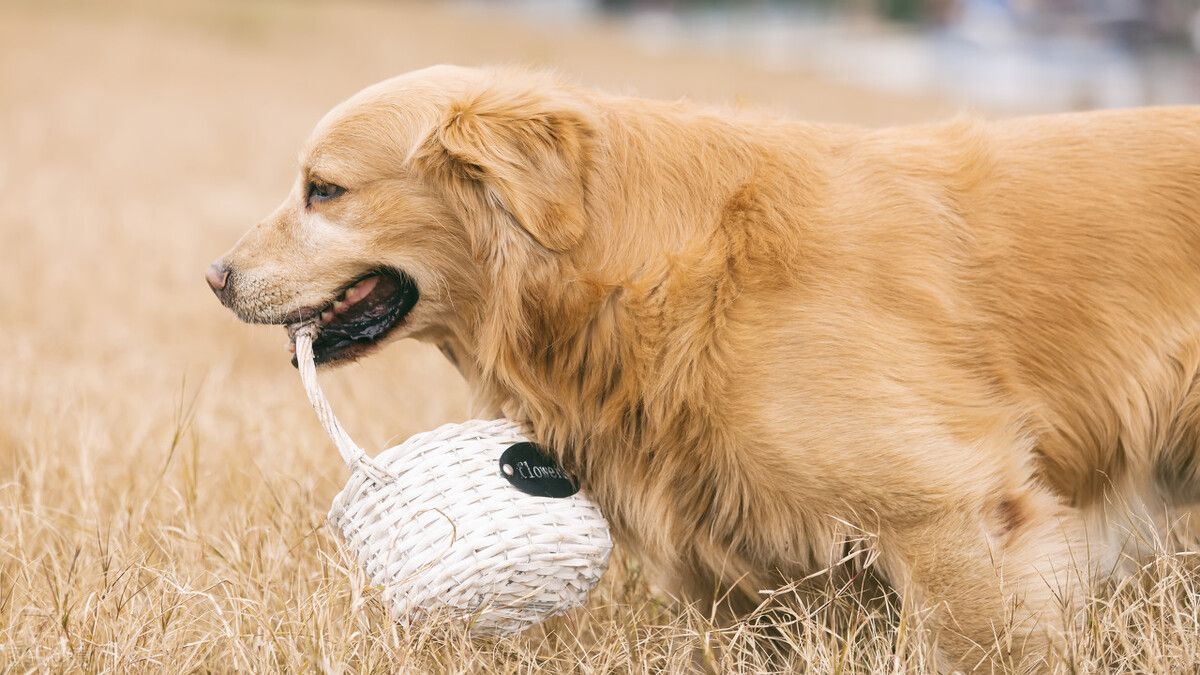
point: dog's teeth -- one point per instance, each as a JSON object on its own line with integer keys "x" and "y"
{"x": 327, "y": 316}
{"x": 339, "y": 307}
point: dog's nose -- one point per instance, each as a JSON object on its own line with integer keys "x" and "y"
{"x": 217, "y": 275}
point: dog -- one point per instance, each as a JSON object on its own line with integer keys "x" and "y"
{"x": 978, "y": 341}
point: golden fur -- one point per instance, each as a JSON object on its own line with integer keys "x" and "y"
{"x": 978, "y": 342}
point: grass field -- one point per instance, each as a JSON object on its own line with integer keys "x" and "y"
{"x": 163, "y": 483}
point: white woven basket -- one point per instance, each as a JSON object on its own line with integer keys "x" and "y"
{"x": 436, "y": 524}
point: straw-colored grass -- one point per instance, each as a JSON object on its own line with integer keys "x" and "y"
{"x": 163, "y": 483}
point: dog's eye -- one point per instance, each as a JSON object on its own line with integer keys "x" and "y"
{"x": 323, "y": 192}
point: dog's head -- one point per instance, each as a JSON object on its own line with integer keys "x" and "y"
{"x": 417, "y": 201}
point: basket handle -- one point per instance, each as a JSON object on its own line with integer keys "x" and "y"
{"x": 353, "y": 455}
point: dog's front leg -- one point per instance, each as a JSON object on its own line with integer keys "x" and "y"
{"x": 1000, "y": 580}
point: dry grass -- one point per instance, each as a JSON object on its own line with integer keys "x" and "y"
{"x": 162, "y": 482}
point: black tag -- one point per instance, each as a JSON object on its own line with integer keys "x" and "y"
{"x": 531, "y": 471}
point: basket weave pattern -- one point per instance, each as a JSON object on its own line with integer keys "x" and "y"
{"x": 443, "y": 533}
{"x": 450, "y": 533}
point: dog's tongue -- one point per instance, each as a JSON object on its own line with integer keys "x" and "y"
{"x": 353, "y": 303}
{"x": 359, "y": 291}
{"x": 365, "y": 300}
{"x": 360, "y": 304}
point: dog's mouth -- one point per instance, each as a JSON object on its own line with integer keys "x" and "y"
{"x": 361, "y": 315}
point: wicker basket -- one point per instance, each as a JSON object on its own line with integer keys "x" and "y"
{"x": 438, "y": 526}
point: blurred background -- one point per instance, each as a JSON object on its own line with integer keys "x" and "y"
{"x": 1029, "y": 55}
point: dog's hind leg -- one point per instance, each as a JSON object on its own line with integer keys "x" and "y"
{"x": 1176, "y": 470}
{"x": 1000, "y": 580}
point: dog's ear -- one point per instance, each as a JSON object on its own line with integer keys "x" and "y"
{"x": 527, "y": 151}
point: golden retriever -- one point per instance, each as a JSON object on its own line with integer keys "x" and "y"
{"x": 979, "y": 342}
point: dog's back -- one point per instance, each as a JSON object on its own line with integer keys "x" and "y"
{"x": 1064, "y": 253}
